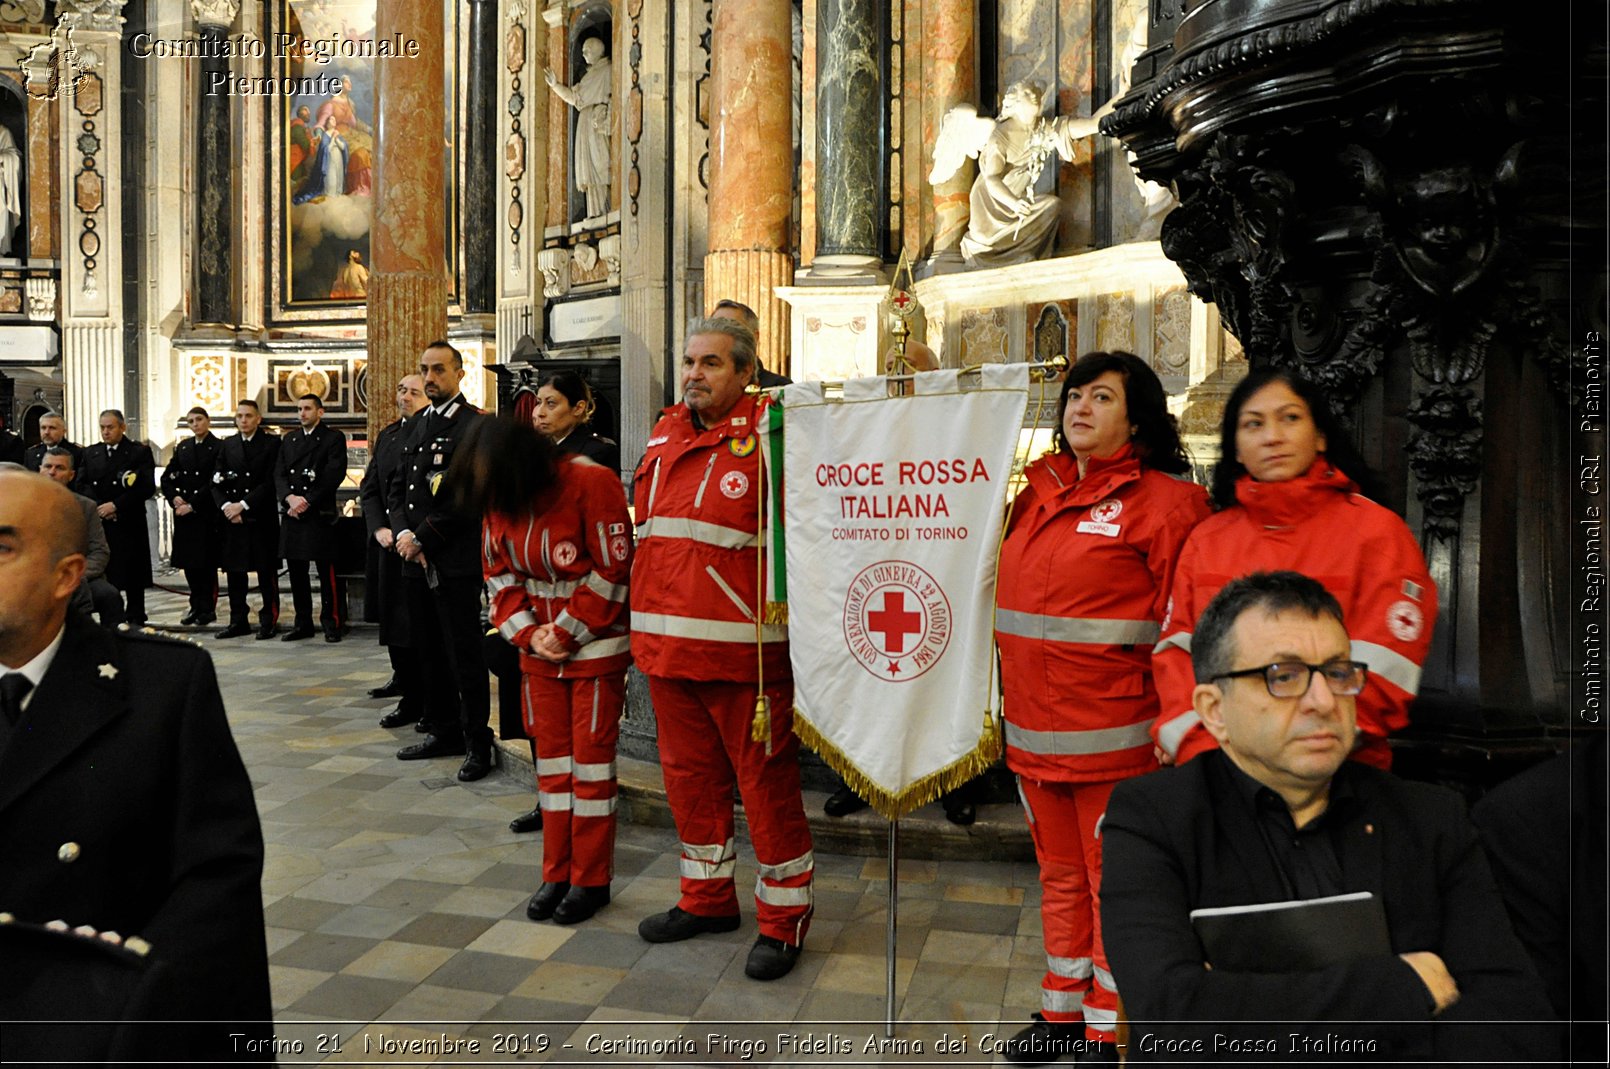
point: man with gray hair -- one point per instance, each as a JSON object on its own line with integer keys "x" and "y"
{"x": 52, "y": 431}
{"x": 697, "y": 615}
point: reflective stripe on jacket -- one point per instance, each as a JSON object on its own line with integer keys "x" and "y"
{"x": 1084, "y": 573}
{"x": 1317, "y": 524}
{"x": 695, "y": 593}
{"x": 565, "y": 563}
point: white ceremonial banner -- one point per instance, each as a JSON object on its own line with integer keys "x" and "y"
{"x": 893, "y": 510}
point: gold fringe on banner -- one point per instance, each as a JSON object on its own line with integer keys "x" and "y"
{"x": 776, "y": 613}
{"x": 894, "y": 806}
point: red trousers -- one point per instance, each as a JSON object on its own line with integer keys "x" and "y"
{"x": 706, "y": 746}
{"x": 576, "y": 723}
{"x": 1077, "y": 986}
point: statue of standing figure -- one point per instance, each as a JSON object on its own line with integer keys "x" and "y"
{"x": 1009, "y": 222}
{"x": 590, "y": 97}
{"x": 10, "y": 186}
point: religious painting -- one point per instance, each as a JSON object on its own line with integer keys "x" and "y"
{"x": 323, "y": 128}
{"x": 327, "y": 148}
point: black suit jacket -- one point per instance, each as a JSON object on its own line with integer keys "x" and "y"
{"x": 126, "y": 477}
{"x": 36, "y": 456}
{"x": 310, "y": 466}
{"x": 383, "y": 600}
{"x": 124, "y": 805}
{"x": 189, "y": 475}
{"x": 11, "y": 448}
{"x": 245, "y": 472}
{"x": 420, "y": 500}
{"x": 1183, "y": 839}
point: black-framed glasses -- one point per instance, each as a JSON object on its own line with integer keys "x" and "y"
{"x": 1290, "y": 679}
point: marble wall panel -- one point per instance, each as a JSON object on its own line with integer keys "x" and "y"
{"x": 1115, "y": 322}
{"x": 1026, "y": 39}
{"x": 1171, "y": 332}
{"x": 1052, "y": 329}
{"x": 1130, "y": 19}
{"x": 983, "y": 336}
{"x": 1077, "y": 94}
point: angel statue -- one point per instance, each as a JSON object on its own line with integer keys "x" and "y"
{"x": 1010, "y": 223}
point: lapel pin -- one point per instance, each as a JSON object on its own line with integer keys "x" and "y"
{"x": 108, "y": 671}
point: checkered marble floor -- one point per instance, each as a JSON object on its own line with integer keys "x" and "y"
{"x": 395, "y": 901}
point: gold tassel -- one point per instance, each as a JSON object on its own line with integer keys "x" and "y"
{"x": 776, "y": 613}
{"x": 894, "y": 805}
{"x": 760, "y": 730}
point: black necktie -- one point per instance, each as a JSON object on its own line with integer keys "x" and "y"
{"x": 14, "y": 687}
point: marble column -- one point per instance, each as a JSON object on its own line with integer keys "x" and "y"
{"x": 408, "y": 286}
{"x": 214, "y": 157}
{"x": 850, "y": 140}
{"x": 480, "y": 152}
{"x": 90, "y": 112}
{"x": 752, "y": 165}
{"x": 950, "y": 77}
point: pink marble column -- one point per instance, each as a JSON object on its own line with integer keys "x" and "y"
{"x": 408, "y": 280}
{"x": 950, "y": 77}
{"x": 752, "y": 165}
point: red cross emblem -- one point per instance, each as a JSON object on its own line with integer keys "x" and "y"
{"x": 897, "y": 620}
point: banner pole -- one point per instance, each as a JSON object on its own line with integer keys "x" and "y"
{"x": 894, "y": 896}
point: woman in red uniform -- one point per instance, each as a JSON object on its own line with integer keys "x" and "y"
{"x": 556, "y": 550}
{"x": 1085, "y": 570}
{"x": 1287, "y": 493}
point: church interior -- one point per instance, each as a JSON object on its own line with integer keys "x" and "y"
{"x": 210, "y": 201}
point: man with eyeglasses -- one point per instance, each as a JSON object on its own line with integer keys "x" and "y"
{"x": 1278, "y": 814}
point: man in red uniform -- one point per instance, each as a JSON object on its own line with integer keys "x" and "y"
{"x": 725, "y": 710}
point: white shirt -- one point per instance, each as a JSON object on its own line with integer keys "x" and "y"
{"x": 35, "y": 669}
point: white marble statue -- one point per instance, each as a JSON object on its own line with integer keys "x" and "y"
{"x": 10, "y": 189}
{"x": 1009, "y": 222}
{"x": 590, "y": 97}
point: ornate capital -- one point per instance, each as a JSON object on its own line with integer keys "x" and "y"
{"x": 215, "y": 14}
{"x": 105, "y": 16}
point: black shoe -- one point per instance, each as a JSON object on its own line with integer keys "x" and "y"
{"x": 1043, "y": 1042}
{"x": 477, "y": 764}
{"x": 959, "y": 810}
{"x": 421, "y": 726}
{"x": 188, "y": 618}
{"x": 770, "y": 959}
{"x": 332, "y": 634}
{"x": 267, "y": 631}
{"x": 204, "y": 619}
{"x": 843, "y": 802}
{"x": 400, "y": 718}
{"x": 433, "y": 746}
{"x": 391, "y": 688}
{"x": 297, "y": 634}
{"x": 526, "y": 822}
{"x": 234, "y": 630}
{"x": 1096, "y": 1054}
{"x": 675, "y": 925}
{"x": 545, "y": 901}
{"x": 580, "y": 903}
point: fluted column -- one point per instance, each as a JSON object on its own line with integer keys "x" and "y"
{"x": 215, "y": 157}
{"x": 480, "y": 184}
{"x": 408, "y": 286}
{"x": 850, "y": 138}
{"x": 950, "y": 77}
{"x": 92, "y": 217}
{"x": 751, "y": 165}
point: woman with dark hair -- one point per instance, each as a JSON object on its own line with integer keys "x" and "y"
{"x": 565, "y": 407}
{"x": 1091, "y": 544}
{"x": 1287, "y": 492}
{"x": 556, "y": 549}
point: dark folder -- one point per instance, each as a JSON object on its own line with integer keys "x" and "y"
{"x": 1296, "y": 936}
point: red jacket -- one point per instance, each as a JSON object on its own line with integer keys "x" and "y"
{"x": 1084, "y": 575}
{"x": 695, "y": 592}
{"x": 1319, "y": 525}
{"x": 565, "y": 562}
